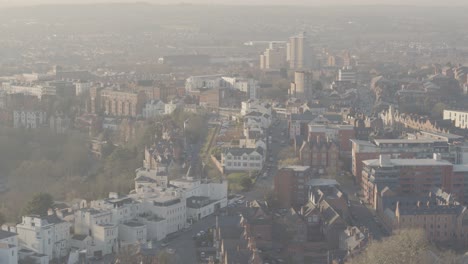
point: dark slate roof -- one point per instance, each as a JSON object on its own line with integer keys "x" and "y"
{"x": 241, "y": 151}
{"x": 432, "y": 209}
{"x": 53, "y": 219}
{"x": 5, "y": 234}
{"x": 306, "y": 116}
{"x": 144, "y": 179}
{"x": 79, "y": 237}
{"x": 134, "y": 224}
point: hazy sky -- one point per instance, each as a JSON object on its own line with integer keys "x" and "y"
{"x": 260, "y": 2}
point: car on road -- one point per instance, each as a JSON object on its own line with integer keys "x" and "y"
{"x": 170, "y": 250}
{"x": 164, "y": 244}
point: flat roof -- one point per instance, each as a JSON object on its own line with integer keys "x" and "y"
{"x": 460, "y": 168}
{"x": 405, "y": 140}
{"x": 444, "y": 135}
{"x": 322, "y": 182}
{"x": 409, "y": 162}
{"x": 297, "y": 168}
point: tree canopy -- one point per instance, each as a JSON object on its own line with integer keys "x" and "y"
{"x": 39, "y": 205}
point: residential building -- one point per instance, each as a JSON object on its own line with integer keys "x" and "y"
{"x": 302, "y": 87}
{"x": 99, "y": 226}
{"x": 413, "y": 147}
{"x": 242, "y": 159}
{"x": 347, "y": 74}
{"x": 408, "y": 176}
{"x": 341, "y": 134}
{"x": 247, "y": 86}
{"x": 298, "y": 51}
{"x": 290, "y": 185}
{"x": 212, "y": 98}
{"x": 194, "y": 83}
{"x": 47, "y": 235}
{"x": 82, "y": 87}
{"x": 298, "y": 124}
{"x": 253, "y": 105}
{"x": 28, "y": 89}
{"x": 8, "y": 246}
{"x": 352, "y": 239}
{"x": 320, "y": 155}
{"x": 460, "y": 118}
{"x": 436, "y": 212}
{"x": 59, "y": 124}
{"x": 29, "y": 119}
{"x": 122, "y": 103}
{"x": 274, "y": 57}
{"x": 154, "y": 108}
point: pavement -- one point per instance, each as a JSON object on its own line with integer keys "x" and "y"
{"x": 184, "y": 244}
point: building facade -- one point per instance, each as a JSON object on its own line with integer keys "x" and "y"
{"x": 290, "y": 185}
{"x": 45, "y": 235}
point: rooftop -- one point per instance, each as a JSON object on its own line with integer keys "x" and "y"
{"x": 408, "y": 162}
{"x": 378, "y": 142}
{"x": 5, "y": 234}
{"x": 134, "y": 224}
{"x": 322, "y": 182}
{"x": 296, "y": 168}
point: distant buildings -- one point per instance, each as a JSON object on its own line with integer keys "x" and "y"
{"x": 347, "y": 74}
{"x": 298, "y": 51}
{"x": 302, "y": 87}
{"x": 274, "y": 57}
{"x": 29, "y": 119}
{"x": 122, "y": 103}
{"x": 194, "y": 83}
{"x": 460, "y": 118}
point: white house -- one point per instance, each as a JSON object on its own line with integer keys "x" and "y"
{"x": 459, "y": 117}
{"x": 170, "y": 107}
{"x": 256, "y": 106}
{"x": 249, "y": 86}
{"x": 47, "y": 235}
{"x": 242, "y": 159}
{"x": 99, "y": 226}
{"x": 123, "y": 208}
{"x": 8, "y": 246}
{"x": 194, "y": 83}
{"x": 154, "y": 108}
{"x": 29, "y": 119}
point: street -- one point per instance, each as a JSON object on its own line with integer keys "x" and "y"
{"x": 265, "y": 184}
{"x": 184, "y": 245}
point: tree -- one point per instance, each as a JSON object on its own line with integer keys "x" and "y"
{"x": 289, "y": 162}
{"x": 409, "y": 246}
{"x": 39, "y": 205}
{"x": 2, "y": 219}
{"x": 438, "y": 110}
{"x": 246, "y": 182}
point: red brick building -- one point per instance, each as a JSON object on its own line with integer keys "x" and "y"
{"x": 290, "y": 185}
{"x": 409, "y": 176}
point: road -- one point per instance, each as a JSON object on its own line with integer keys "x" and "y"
{"x": 363, "y": 216}
{"x": 184, "y": 245}
{"x": 264, "y": 184}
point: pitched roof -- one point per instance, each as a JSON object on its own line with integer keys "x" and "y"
{"x": 6, "y": 234}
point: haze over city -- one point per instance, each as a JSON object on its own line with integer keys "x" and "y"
{"x": 220, "y": 132}
{"x": 249, "y": 2}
